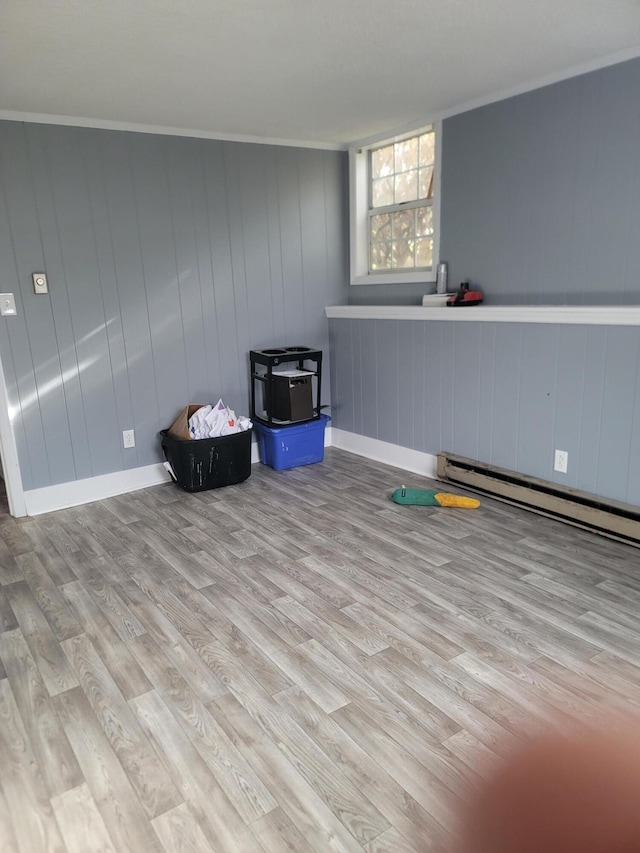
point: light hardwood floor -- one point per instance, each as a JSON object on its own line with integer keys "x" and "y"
{"x": 291, "y": 664}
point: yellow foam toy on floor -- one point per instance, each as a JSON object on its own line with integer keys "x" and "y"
{"x": 427, "y": 497}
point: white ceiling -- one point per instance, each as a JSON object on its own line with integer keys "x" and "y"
{"x": 316, "y": 71}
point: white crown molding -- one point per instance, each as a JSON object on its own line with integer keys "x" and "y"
{"x": 546, "y": 80}
{"x": 501, "y": 95}
{"x": 584, "y": 315}
{"x": 132, "y": 127}
{"x": 408, "y": 127}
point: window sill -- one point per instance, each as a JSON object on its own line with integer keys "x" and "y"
{"x": 585, "y": 315}
{"x": 395, "y": 278}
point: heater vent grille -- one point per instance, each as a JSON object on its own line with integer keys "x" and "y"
{"x": 608, "y": 517}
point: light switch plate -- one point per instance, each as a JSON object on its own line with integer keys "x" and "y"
{"x": 7, "y": 305}
{"x": 40, "y": 282}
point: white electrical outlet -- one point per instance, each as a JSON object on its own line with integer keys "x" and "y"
{"x": 7, "y": 305}
{"x": 561, "y": 461}
{"x": 128, "y": 438}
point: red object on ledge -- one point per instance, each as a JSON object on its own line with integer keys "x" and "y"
{"x": 464, "y": 296}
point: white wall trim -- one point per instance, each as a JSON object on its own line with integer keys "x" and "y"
{"x": 52, "y": 498}
{"x": 501, "y": 95}
{"x": 358, "y": 217}
{"x": 133, "y": 127}
{"x": 585, "y": 315}
{"x": 64, "y": 495}
{"x": 415, "y": 461}
{"x": 547, "y": 80}
{"x": 9, "y": 455}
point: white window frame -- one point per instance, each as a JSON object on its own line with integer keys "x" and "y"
{"x": 359, "y": 219}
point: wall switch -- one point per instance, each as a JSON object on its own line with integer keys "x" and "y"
{"x": 561, "y": 461}
{"x": 7, "y": 305}
{"x": 40, "y": 282}
{"x": 128, "y": 438}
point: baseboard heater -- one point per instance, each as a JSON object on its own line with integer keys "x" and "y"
{"x": 609, "y": 518}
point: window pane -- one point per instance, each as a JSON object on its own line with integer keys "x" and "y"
{"x": 402, "y": 254}
{"x": 382, "y": 162}
{"x": 427, "y": 148}
{"x": 424, "y": 221}
{"x": 426, "y": 182}
{"x": 381, "y": 226}
{"x": 406, "y": 154}
{"x": 424, "y": 252}
{"x": 381, "y": 256}
{"x": 401, "y": 176}
{"x": 403, "y": 224}
{"x": 406, "y": 187}
{"x": 382, "y": 192}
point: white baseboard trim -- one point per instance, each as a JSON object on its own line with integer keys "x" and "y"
{"x": 64, "y": 495}
{"x": 52, "y": 498}
{"x": 415, "y": 461}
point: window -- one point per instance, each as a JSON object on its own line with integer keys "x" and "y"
{"x": 394, "y": 210}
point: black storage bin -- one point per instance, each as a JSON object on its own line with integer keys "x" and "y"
{"x": 208, "y": 463}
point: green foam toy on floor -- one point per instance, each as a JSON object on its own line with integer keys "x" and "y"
{"x": 426, "y": 497}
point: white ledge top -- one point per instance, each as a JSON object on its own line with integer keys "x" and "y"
{"x": 591, "y": 315}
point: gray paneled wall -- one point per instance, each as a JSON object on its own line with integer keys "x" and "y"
{"x": 541, "y": 193}
{"x": 168, "y": 259}
{"x": 540, "y": 205}
{"x": 541, "y": 196}
{"x": 507, "y": 394}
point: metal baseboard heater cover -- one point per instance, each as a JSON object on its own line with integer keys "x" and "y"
{"x": 607, "y": 517}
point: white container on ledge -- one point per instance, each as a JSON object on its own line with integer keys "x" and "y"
{"x": 436, "y": 300}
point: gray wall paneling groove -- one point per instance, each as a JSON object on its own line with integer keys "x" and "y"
{"x": 168, "y": 259}
{"x": 507, "y": 394}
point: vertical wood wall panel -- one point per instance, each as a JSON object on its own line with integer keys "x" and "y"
{"x": 67, "y": 171}
{"x": 486, "y": 388}
{"x": 591, "y": 415}
{"x": 621, "y": 361}
{"x": 356, "y": 381}
{"x": 538, "y": 373}
{"x": 433, "y": 367}
{"x": 313, "y": 231}
{"x": 569, "y": 396}
{"x": 180, "y": 158}
{"x": 235, "y": 163}
{"x": 290, "y": 235}
{"x": 115, "y": 357}
{"x": 389, "y": 404}
{"x": 406, "y": 385}
{"x": 22, "y": 231}
{"x": 370, "y": 385}
{"x": 153, "y": 208}
{"x": 130, "y": 299}
{"x": 9, "y": 279}
{"x": 466, "y": 390}
{"x": 633, "y": 482}
{"x": 227, "y": 371}
{"x": 506, "y": 394}
{"x": 168, "y": 259}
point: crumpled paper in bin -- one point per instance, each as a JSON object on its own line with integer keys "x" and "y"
{"x": 214, "y": 421}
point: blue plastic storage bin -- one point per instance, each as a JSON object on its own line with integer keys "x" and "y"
{"x": 292, "y": 446}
